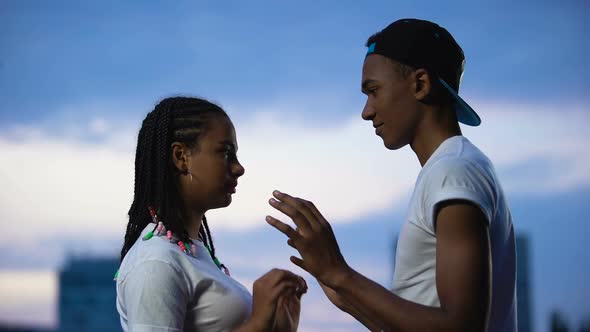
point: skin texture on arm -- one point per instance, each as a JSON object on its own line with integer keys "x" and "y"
{"x": 463, "y": 269}
{"x": 342, "y": 304}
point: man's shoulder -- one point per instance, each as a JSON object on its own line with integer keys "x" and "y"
{"x": 456, "y": 166}
{"x": 459, "y": 174}
{"x": 461, "y": 159}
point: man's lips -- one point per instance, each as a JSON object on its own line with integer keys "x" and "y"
{"x": 378, "y": 128}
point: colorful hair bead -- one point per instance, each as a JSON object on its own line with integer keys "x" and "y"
{"x": 217, "y": 262}
{"x": 148, "y": 235}
{"x": 186, "y": 247}
{"x": 226, "y": 270}
{"x": 181, "y": 245}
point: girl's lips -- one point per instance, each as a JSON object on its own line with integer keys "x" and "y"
{"x": 231, "y": 187}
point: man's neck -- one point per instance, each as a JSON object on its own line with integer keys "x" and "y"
{"x": 432, "y": 132}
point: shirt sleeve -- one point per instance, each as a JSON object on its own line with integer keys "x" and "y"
{"x": 458, "y": 179}
{"x": 156, "y": 296}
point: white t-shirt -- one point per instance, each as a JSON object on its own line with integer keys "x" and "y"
{"x": 160, "y": 288}
{"x": 457, "y": 170}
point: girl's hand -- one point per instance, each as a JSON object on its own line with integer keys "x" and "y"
{"x": 289, "y": 309}
{"x": 267, "y": 291}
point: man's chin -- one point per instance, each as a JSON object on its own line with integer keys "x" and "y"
{"x": 393, "y": 145}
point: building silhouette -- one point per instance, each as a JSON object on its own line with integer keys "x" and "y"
{"x": 523, "y": 284}
{"x": 87, "y": 295}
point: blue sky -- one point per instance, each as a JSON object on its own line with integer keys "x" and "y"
{"x": 77, "y": 79}
{"x": 113, "y": 50}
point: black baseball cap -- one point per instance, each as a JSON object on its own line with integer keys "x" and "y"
{"x": 424, "y": 44}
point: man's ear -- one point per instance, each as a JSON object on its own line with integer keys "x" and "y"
{"x": 422, "y": 84}
{"x": 180, "y": 154}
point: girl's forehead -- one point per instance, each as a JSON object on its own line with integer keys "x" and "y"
{"x": 220, "y": 129}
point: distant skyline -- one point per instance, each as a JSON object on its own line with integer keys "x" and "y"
{"x": 371, "y": 237}
{"x": 77, "y": 79}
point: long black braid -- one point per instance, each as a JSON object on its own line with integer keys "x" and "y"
{"x": 177, "y": 119}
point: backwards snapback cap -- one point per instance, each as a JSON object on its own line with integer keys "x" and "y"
{"x": 423, "y": 44}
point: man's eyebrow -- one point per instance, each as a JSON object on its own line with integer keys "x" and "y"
{"x": 366, "y": 83}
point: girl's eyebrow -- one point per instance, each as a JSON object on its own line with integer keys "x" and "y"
{"x": 231, "y": 145}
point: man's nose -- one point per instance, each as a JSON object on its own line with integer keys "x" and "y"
{"x": 368, "y": 112}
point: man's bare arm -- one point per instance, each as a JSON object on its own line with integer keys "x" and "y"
{"x": 463, "y": 269}
{"x": 463, "y": 280}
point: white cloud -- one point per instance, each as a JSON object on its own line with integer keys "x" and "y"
{"x": 62, "y": 187}
{"x": 98, "y": 126}
{"x": 28, "y": 296}
{"x": 63, "y": 184}
{"x": 58, "y": 184}
{"x": 551, "y": 142}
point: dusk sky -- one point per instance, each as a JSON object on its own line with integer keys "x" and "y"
{"x": 77, "y": 79}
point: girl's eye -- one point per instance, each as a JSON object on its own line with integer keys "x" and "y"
{"x": 230, "y": 154}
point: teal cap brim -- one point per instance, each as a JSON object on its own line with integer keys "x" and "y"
{"x": 465, "y": 114}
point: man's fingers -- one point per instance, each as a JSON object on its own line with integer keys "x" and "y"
{"x": 294, "y": 208}
{"x": 298, "y": 218}
{"x": 291, "y": 243}
{"x": 282, "y": 227}
{"x": 298, "y": 261}
{"x": 318, "y": 216}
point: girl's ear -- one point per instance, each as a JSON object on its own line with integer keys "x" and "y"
{"x": 180, "y": 153}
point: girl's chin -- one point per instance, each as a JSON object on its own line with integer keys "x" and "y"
{"x": 224, "y": 202}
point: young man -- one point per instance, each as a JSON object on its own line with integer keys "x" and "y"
{"x": 455, "y": 264}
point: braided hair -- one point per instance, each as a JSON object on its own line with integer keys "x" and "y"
{"x": 176, "y": 119}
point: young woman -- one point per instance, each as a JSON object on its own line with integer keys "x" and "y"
{"x": 170, "y": 278}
